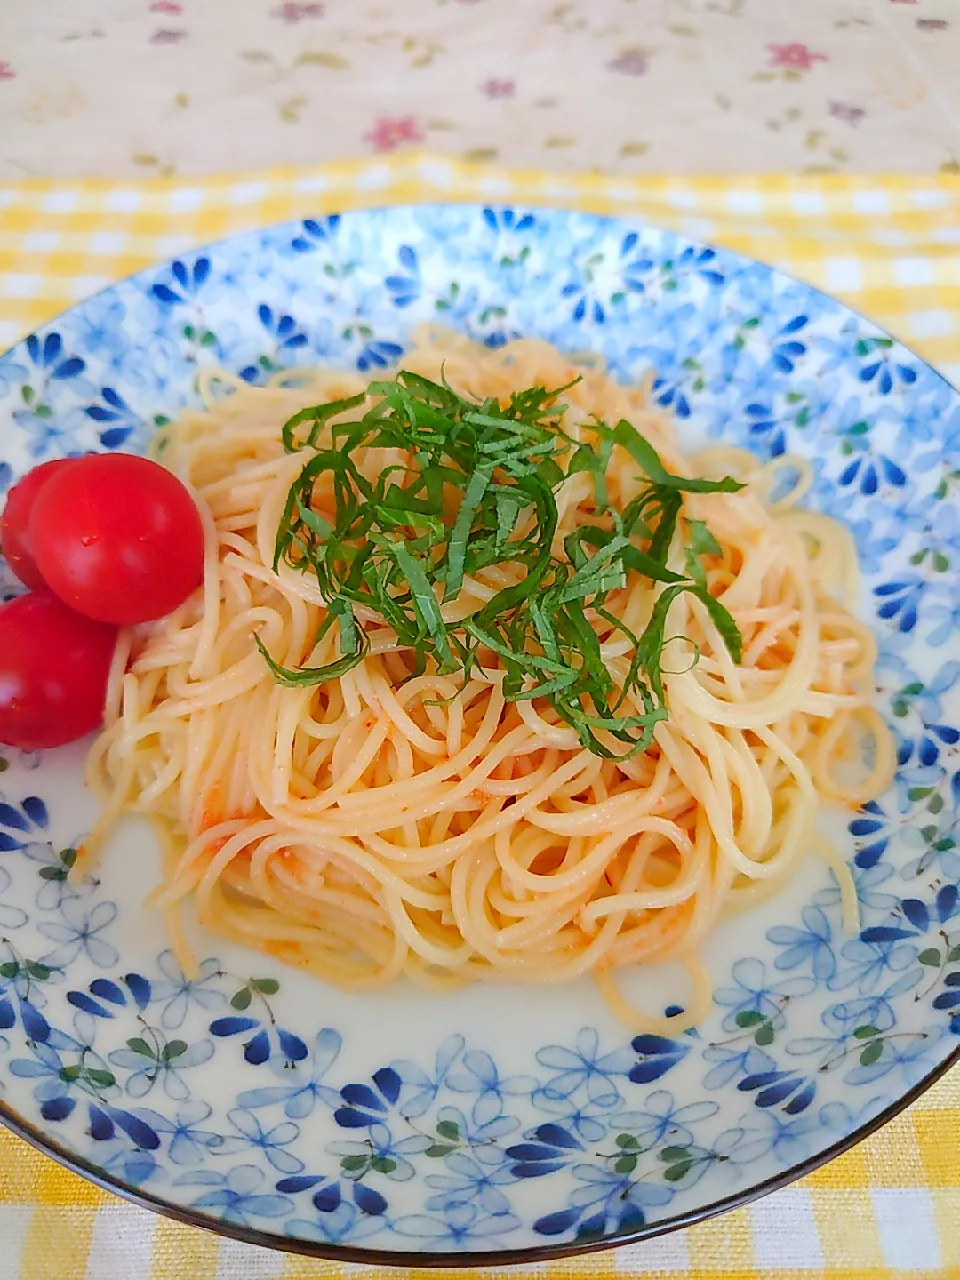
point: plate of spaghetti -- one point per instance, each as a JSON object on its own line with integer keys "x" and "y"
{"x": 481, "y": 752}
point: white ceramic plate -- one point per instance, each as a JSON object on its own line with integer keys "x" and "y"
{"x": 504, "y": 1122}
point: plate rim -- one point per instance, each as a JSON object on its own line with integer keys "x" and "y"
{"x": 469, "y": 1258}
{"x": 461, "y": 1259}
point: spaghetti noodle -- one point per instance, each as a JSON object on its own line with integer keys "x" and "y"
{"x": 400, "y": 821}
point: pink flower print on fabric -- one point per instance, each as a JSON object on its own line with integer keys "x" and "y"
{"x": 390, "y": 132}
{"x": 632, "y": 62}
{"x": 847, "y": 112}
{"x": 794, "y": 56}
{"x": 291, "y": 12}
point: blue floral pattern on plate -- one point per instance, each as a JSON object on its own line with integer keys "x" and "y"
{"x": 499, "y": 1121}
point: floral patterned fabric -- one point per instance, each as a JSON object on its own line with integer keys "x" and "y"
{"x": 181, "y": 86}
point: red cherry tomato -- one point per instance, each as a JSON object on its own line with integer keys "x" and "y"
{"x": 118, "y": 538}
{"x": 53, "y": 672}
{"x": 15, "y": 541}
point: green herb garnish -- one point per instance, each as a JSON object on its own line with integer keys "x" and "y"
{"x": 479, "y": 490}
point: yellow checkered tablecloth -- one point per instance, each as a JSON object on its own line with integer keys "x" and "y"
{"x": 891, "y": 248}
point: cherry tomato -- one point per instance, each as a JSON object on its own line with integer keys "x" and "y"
{"x": 53, "y": 671}
{"x": 15, "y": 541}
{"x": 118, "y": 538}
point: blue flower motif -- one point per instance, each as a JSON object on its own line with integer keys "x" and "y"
{"x": 238, "y": 1196}
{"x": 59, "y": 1081}
{"x": 900, "y": 600}
{"x": 287, "y": 338}
{"x": 841, "y": 1118}
{"x": 829, "y": 1051}
{"x": 260, "y": 1046}
{"x": 941, "y": 418}
{"x": 506, "y": 220}
{"x": 148, "y": 382}
{"x": 116, "y": 420}
{"x": 754, "y": 992}
{"x": 788, "y": 1139}
{"x": 478, "y": 1074}
{"x": 379, "y": 1152}
{"x": 587, "y": 1117}
{"x": 187, "y": 1140}
{"x": 132, "y": 1166}
{"x": 251, "y": 1136}
{"x": 179, "y": 994}
{"x": 377, "y": 354}
{"x": 12, "y": 374}
{"x": 21, "y": 824}
{"x": 162, "y": 1065}
{"x": 548, "y": 1148}
{"x": 662, "y": 1119}
{"x": 584, "y": 1067}
{"x": 366, "y": 1105}
{"x": 101, "y": 326}
{"x": 51, "y": 1091}
{"x": 670, "y": 392}
{"x": 855, "y": 348}
{"x": 700, "y": 261}
{"x": 787, "y": 346}
{"x": 462, "y": 1226}
{"x": 946, "y": 620}
{"x": 766, "y": 428}
{"x": 656, "y": 1056}
{"x": 948, "y": 1001}
{"x": 48, "y": 357}
{"x": 845, "y": 1016}
{"x": 329, "y": 1194}
{"x": 756, "y": 349}
{"x": 871, "y": 963}
{"x": 914, "y": 918}
{"x": 466, "y": 1180}
{"x": 185, "y": 281}
{"x": 300, "y": 1097}
{"x": 868, "y": 473}
{"x": 733, "y": 1061}
{"x": 605, "y": 1202}
{"x": 878, "y": 1010}
{"x": 868, "y": 877}
{"x": 79, "y": 934}
{"x": 346, "y": 1224}
{"x": 885, "y": 365}
{"x": 315, "y": 232}
{"x": 423, "y": 1086}
{"x": 482, "y": 1136}
{"x": 910, "y": 1057}
{"x": 945, "y": 531}
{"x": 11, "y": 917}
{"x": 792, "y": 1091}
{"x": 404, "y": 288}
{"x": 105, "y": 996}
{"x": 597, "y": 289}
{"x": 811, "y": 945}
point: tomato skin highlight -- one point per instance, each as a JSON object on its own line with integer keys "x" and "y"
{"x": 118, "y": 537}
{"x": 16, "y": 543}
{"x": 54, "y": 665}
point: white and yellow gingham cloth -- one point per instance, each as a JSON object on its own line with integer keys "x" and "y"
{"x": 888, "y": 1210}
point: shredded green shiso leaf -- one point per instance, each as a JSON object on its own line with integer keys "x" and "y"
{"x": 479, "y": 491}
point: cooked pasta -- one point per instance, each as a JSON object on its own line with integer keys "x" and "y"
{"x": 394, "y": 820}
